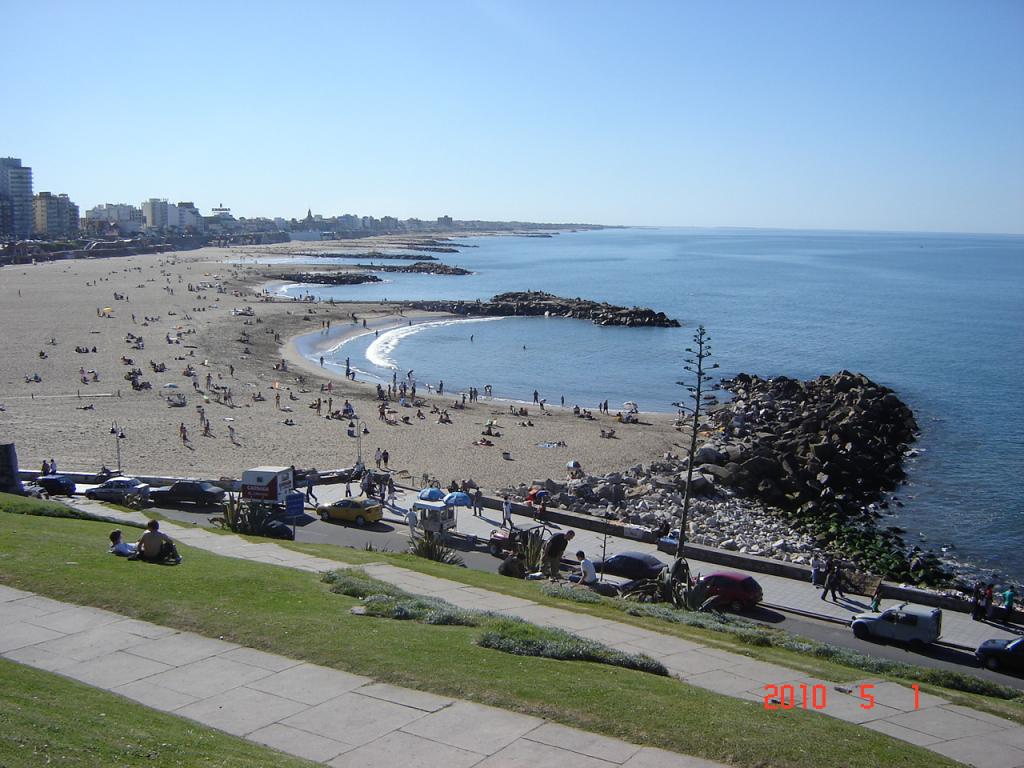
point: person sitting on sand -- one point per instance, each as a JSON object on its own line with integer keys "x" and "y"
{"x": 157, "y": 547}
{"x": 419, "y": 414}
{"x": 120, "y": 547}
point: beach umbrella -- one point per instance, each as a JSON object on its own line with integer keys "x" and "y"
{"x": 629, "y": 404}
{"x": 573, "y": 465}
{"x": 431, "y": 494}
{"x": 458, "y": 499}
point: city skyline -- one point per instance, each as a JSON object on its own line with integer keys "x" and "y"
{"x": 795, "y": 117}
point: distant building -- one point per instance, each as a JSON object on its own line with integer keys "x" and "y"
{"x": 444, "y": 221}
{"x": 189, "y": 218}
{"x": 154, "y": 211}
{"x": 16, "y": 190}
{"x": 54, "y": 216}
{"x": 127, "y": 218}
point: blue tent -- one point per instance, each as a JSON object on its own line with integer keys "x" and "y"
{"x": 431, "y": 494}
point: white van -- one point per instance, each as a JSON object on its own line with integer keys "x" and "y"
{"x": 914, "y": 625}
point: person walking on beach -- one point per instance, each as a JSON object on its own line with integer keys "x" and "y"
{"x": 384, "y": 456}
{"x": 183, "y": 433}
{"x": 536, "y": 396}
{"x": 377, "y": 457}
{"x": 506, "y": 512}
{"x": 231, "y": 435}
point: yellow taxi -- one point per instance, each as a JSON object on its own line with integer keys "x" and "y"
{"x": 359, "y": 511}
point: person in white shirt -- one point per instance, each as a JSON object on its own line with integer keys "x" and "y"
{"x": 412, "y": 520}
{"x": 120, "y": 547}
{"x": 588, "y": 574}
{"x": 506, "y": 513}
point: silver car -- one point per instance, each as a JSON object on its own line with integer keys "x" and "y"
{"x": 116, "y": 488}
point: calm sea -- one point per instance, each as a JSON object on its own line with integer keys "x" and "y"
{"x": 939, "y": 318}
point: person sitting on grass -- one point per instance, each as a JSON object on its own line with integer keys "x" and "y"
{"x": 120, "y": 547}
{"x": 157, "y": 547}
{"x": 587, "y": 576}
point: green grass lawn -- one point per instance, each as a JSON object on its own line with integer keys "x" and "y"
{"x": 293, "y": 613}
{"x": 46, "y": 719}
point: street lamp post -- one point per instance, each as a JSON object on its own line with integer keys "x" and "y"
{"x": 355, "y": 429}
{"x": 119, "y": 435}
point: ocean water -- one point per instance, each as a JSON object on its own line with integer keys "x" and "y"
{"x": 938, "y": 318}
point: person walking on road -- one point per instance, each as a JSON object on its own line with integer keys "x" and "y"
{"x": 831, "y": 575}
{"x": 553, "y": 552}
{"x": 412, "y": 520}
{"x": 817, "y": 563}
{"x": 311, "y": 479}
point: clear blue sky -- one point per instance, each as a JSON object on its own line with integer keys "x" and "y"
{"x": 861, "y": 115}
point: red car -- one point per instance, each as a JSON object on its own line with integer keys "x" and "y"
{"x": 736, "y": 591}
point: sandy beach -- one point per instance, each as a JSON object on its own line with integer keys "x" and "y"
{"x": 64, "y": 418}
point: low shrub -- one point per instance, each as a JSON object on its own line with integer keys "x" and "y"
{"x": 356, "y": 583}
{"x": 423, "y": 609}
{"x": 523, "y": 639}
{"x": 565, "y": 592}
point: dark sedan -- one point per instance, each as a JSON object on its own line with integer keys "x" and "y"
{"x": 187, "y": 491}
{"x": 56, "y": 485}
{"x": 1004, "y": 655}
{"x": 632, "y": 565}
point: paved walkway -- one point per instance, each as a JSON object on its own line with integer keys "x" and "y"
{"x": 961, "y": 733}
{"x": 321, "y": 714}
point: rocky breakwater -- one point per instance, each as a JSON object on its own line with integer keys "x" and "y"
{"x": 420, "y": 267}
{"x": 824, "y": 453}
{"x": 538, "y": 303}
{"x": 784, "y": 469}
{"x": 326, "y": 278}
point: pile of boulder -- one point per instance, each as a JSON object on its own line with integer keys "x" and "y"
{"x": 538, "y": 303}
{"x": 327, "y": 278}
{"x": 784, "y": 468}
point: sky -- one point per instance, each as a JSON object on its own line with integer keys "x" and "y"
{"x": 874, "y": 115}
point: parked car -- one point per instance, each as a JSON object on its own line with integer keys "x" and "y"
{"x": 737, "y": 591}
{"x": 1004, "y": 655}
{"x": 904, "y": 623}
{"x": 116, "y": 488}
{"x": 56, "y": 485}
{"x": 631, "y": 565}
{"x": 358, "y": 511}
{"x": 188, "y": 490}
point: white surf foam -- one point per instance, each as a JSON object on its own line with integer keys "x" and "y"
{"x": 381, "y": 350}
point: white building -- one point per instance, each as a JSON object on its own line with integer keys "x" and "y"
{"x": 128, "y": 218}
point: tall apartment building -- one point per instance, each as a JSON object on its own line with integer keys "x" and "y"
{"x": 155, "y": 212}
{"x": 54, "y": 215}
{"x": 15, "y": 199}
